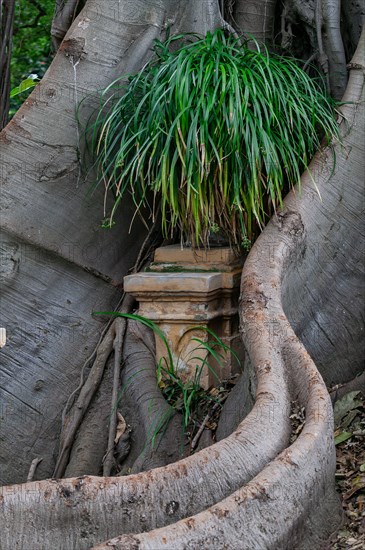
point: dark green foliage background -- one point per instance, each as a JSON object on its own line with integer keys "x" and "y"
{"x": 32, "y": 49}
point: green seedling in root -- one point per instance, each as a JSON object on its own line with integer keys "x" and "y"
{"x": 187, "y": 396}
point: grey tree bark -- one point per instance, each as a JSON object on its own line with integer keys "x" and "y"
{"x": 299, "y": 275}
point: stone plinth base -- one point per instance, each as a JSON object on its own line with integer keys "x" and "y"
{"x": 186, "y": 292}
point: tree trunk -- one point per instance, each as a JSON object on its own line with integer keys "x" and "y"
{"x": 64, "y": 14}
{"x": 58, "y": 264}
{"x": 300, "y": 282}
{"x": 255, "y": 18}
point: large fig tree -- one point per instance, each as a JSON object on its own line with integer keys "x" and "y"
{"x": 301, "y": 309}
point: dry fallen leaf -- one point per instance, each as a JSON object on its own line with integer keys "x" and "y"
{"x": 121, "y": 427}
{"x": 348, "y": 403}
{"x": 350, "y": 478}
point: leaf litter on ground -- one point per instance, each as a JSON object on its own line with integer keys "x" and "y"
{"x": 349, "y": 415}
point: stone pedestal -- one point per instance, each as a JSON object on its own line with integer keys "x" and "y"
{"x": 184, "y": 290}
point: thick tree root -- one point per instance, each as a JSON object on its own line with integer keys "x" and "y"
{"x": 285, "y": 505}
{"x": 160, "y": 496}
{"x": 157, "y": 436}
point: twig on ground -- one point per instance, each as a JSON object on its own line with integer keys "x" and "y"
{"x": 206, "y": 419}
{"x": 356, "y": 384}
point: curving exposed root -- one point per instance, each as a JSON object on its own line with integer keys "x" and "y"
{"x": 299, "y": 481}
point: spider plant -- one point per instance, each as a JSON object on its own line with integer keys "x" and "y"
{"x": 213, "y": 131}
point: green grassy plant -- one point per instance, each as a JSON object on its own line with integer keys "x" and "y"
{"x": 185, "y": 396}
{"x": 217, "y": 131}
{"x": 188, "y": 396}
